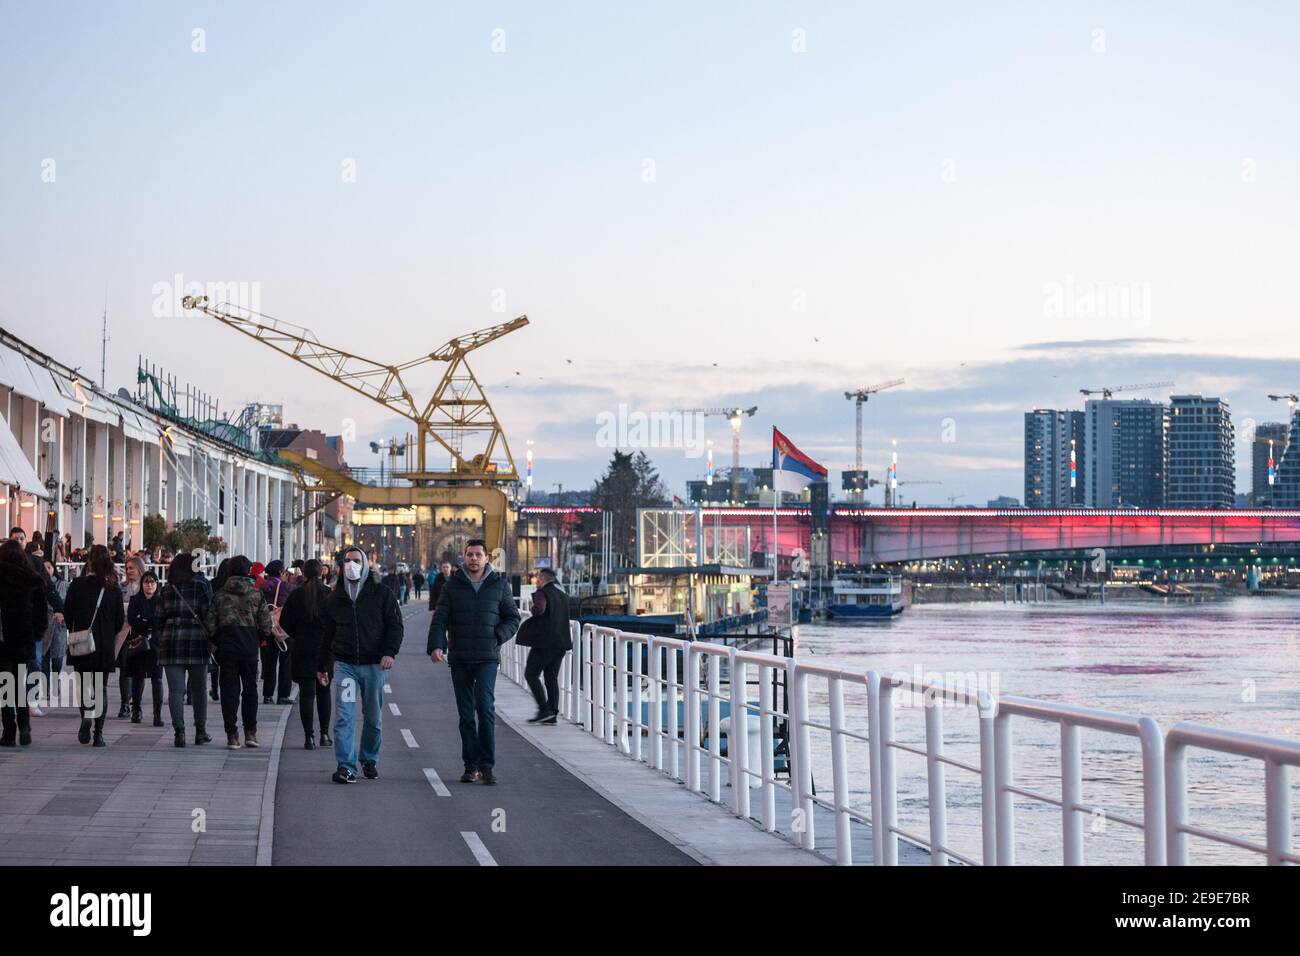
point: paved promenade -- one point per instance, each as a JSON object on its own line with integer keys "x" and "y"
{"x": 564, "y": 798}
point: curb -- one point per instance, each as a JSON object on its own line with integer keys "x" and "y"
{"x": 266, "y": 831}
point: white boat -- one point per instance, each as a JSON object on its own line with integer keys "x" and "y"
{"x": 861, "y": 594}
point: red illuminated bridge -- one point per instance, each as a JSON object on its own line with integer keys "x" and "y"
{"x": 883, "y": 535}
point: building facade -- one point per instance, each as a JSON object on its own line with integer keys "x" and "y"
{"x": 1269, "y": 442}
{"x": 1202, "y": 471}
{"x": 80, "y": 461}
{"x": 1125, "y": 453}
{"x": 1055, "y": 456}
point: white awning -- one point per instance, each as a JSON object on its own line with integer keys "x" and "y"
{"x": 135, "y": 427}
{"x": 95, "y": 407}
{"x": 15, "y": 373}
{"x": 51, "y": 397}
{"x": 15, "y": 469}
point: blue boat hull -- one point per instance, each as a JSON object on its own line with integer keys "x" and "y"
{"x": 865, "y": 610}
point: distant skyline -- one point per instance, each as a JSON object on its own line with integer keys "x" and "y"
{"x": 759, "y": 204}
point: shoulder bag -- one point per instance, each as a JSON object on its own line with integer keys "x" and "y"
{"x": 82, "y": 643}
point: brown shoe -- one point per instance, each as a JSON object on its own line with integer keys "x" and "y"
{"x": 232, "y": 741}
{"x": 250, "y": 740}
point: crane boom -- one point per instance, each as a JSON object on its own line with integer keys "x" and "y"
{"x": 458, "y": 409}
{"x": 735, "y": 416}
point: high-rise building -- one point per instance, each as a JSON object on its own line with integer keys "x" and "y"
{"x": 1202, "y": 470}
{"x": 1285, "y": 492}
{"x": 1269, "y": 442}
{"x": 1125, "y": 453}
{"x": 1054, "y": 456}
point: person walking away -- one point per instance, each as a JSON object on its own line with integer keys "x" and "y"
{"x": 438, "y": 583}
{"x": 417, "y": 581}
{"x": 55, "y": 646}
{"x": 54, "y": 616}
{"x": 134, "y": 571}
{"x": 214, "y": 671}
{"x": 276, "y": 675}
{"x": 141, "y": 652}
{"x": 361, "y": 635}
{"x": 237, "y": 622}
{"x": 303, "y": 620}
{"x": 476, "y": 614}
{"x": 22, "y": 624}
{"x": 96, "y": 615}
{"x": 551, "y": 641}
{"x": 183, "y": 647}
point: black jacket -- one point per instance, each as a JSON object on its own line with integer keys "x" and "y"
{"x": 553, "y": 635}
{"x": 307, "y": 631}
{"x": 79, "y": 609}
{"x": 362, "y": 631}
{"x": 436, "y": 584}
{"x": 22, "y": 604}
{"x": 471, "y": 626}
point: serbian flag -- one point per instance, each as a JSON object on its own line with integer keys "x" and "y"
{"x": 792, "y": 470}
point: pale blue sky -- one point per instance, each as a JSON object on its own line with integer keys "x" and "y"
{"x": 922, "y": 177}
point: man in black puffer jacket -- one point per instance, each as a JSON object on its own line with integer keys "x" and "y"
{"x": 361, "y": 633}
{"x": 476, "y": 614}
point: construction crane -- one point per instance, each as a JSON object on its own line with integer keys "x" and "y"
{"x": 735, "y": 416}
{"x": 457, "y": 418}
{"x": 1291, "y": 400}
{"x": 1107, "y": 391}
{"x": 859, "y": 398}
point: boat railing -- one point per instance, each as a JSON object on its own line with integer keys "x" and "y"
{"x": 624, "y": 688}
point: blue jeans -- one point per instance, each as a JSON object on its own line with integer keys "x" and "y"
{"x": 475, "y": 686}
{"x": 355, "y": 683}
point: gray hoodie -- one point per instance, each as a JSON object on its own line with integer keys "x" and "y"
{"x": 353, "y": 588}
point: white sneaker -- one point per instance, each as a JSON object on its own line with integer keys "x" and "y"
{"x": 35, "y": 711}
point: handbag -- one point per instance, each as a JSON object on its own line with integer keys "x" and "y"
{"x": 82, "y": 643}
{"x": 278, "y": 632}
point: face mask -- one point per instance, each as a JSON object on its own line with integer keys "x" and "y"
{"x": 352, "y": 570}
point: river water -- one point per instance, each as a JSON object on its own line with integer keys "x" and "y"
{"x": 1232, "y": 663}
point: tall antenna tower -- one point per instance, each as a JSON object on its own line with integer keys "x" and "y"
{"x": 103, "y": 346}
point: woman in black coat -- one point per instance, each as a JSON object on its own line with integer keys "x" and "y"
{"x": 303, "y": 621}
{"x": 22, "y": 615}
{"x": 144, "y": 614}
{"x": 98, "y": 582}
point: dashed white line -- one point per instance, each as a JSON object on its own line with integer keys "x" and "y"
{"x": 388, "y": 688}
{"x": 409, "y": 738}
{"x": 436, "y": 782}
{"x": 477, "y": 848}
{"x": 393, "y": 707}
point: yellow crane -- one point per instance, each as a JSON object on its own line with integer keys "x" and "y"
{"x": 457, "y": 418}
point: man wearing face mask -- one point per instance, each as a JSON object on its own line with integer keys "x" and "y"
{"x": 361, "y": 634}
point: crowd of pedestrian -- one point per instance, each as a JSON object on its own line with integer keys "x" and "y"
{"x": 331, "y": 629}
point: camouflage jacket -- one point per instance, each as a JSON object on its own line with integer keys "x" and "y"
{"x": 238, "y": 620}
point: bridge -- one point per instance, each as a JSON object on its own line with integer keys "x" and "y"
{"x": 890, "y": 535}
{"x": 923, "y": 534}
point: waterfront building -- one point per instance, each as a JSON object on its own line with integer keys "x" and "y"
{"x": 1286, "y": 484}
{"x": 1125, "y": 454}
{"x": 1201, "y": 470}
{"x": 1054, "y": 478}
{"x": 93, "y": 464}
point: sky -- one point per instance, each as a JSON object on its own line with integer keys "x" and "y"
{"x": 695, "y": 204}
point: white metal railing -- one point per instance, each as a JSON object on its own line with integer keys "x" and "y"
{"x": 1278, "y": 757}
{"x": 659, "y": 700}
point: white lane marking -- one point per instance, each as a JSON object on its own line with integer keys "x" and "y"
{"x": 436, "y": 782}
{"x": 409, "y": 738}
{"x": 477, "y": 848}
{"x": 388, "y": 688}
{"x": 393, "y": 707}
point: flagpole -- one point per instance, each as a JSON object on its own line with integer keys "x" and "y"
{"x": 776, "y": 496}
